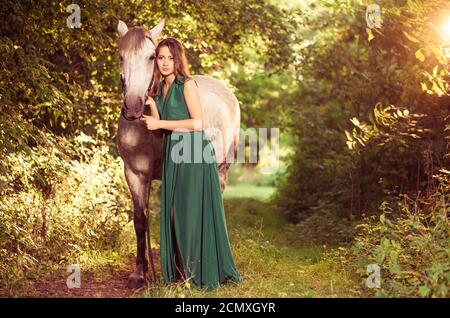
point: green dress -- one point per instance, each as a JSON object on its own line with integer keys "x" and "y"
{"x": 199, "y": 230}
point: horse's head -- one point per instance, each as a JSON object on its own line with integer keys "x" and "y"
{"x": 137, "y": 61}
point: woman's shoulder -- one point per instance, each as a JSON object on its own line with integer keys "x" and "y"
{"x": 183, "y": 79}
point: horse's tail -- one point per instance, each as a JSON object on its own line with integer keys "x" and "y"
{"x": 232, "y": 151}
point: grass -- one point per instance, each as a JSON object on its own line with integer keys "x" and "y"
{"x": 269, "y": 264}
{"x": 247, "y": 182}
{"x": 248, "y": 191}
{"x": 272, "y": 262}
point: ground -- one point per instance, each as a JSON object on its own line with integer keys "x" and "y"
{"x": 270, "y": 259}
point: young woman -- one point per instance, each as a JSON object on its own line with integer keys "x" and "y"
{"x": 194, "y": 238}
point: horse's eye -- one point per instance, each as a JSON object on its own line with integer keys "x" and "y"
{"x": 152, "y": 57}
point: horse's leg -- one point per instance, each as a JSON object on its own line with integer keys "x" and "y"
{"x": 223, "y": 175}
{"x": 224, "y": 166}
{"x": 149, "y": 244}
{"x": 139, "y": 188}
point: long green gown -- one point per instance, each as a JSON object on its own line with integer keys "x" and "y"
{"x": 199, "y": 232}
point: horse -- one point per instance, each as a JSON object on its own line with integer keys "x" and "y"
{"x": 141, "y": 149}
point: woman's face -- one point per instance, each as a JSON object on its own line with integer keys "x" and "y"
{"x": 165, "y": 61}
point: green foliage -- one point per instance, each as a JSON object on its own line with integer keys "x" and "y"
{"x": 325, "y": 227}
{"x": 67, "y": 79}
{"x": 263, "y": 93}
{"x": 54, "y": 207}
{"x": 316, "y": 171}
{"x": 390, "y": 126}
{"x": 367, "y": 95}
{"x": 410, "y": 244}
{"x": 371, "y": 124}
{"x": 389, "y": 147}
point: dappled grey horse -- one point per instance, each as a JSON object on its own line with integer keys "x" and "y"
{"x": 141, "y": 149}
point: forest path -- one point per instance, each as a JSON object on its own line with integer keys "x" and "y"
{"x": 267, "y": 252}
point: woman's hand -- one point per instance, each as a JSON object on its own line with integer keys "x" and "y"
{"x": 150, "y": 101}
{"x": 151, "y": 122}
{"x": 153, "y": 109}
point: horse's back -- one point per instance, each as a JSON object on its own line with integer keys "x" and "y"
{"x": 221, "y": 112}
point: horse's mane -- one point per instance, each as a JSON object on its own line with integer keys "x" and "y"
{"x": 133, "y": 40}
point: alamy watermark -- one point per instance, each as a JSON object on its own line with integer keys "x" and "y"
{"x": 190, "y": 147}
{"x": 74, "y": 279}
{"x": 374, "y": 278}
{"x": 373, "y": 16}
{"x": 74, "y": 19}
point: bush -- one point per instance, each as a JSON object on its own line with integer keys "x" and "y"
{"x": 325, "y": 226}
{"x": 411, "y": 248}
{"x": 54, "y": 207}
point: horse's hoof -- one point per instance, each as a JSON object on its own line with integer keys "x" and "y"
{"x": 137, "y": 278}
{"x": 135, "y": 282}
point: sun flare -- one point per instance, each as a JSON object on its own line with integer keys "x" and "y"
{"x": 446, "y": 29}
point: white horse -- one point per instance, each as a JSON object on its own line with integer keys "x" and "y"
{"x": 141, "y": 149}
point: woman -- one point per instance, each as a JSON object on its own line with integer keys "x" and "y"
{"x": 194, "y": 239}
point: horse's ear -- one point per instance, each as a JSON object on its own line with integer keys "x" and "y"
{"x": 122, "y": 28}
{"x": 156, "y": 31}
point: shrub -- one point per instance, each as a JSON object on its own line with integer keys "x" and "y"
{"x": 411, "y": 248}
{"x": 53, "y": 206}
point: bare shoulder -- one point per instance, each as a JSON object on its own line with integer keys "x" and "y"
{"x": 192, "y": 98}
{"x": 190, "y": 85}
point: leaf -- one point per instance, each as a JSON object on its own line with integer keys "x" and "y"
{"x": 349, "y": 136}
{"x": 394, "y": 268}
{"x": 411, "y": 38}
{"x": 424, "y": 291}
{"x": 419, "y": 55}
{"x": 355, "y": 121}
{"x": 435, "y": 71}
{"x": 370, "y": 34}
{"x": 435, "y": 88}
{"x": 424, "y": 87}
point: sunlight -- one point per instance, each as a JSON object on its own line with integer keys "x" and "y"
{"x": 446, "y": 29}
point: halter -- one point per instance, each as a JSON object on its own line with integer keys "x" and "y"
{"x": 146, "y": 92}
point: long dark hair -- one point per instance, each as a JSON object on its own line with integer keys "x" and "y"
{"x": 180, "y": 64}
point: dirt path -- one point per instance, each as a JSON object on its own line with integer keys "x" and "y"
{"x": 105, "y": 282}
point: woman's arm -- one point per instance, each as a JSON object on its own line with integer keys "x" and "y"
{"x": 182, "y": 124}
{"x": 192, "y": 99}
{"x": 153, "y": 109}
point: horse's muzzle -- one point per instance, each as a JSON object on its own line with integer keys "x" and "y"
{"x": 130, "y": 118}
